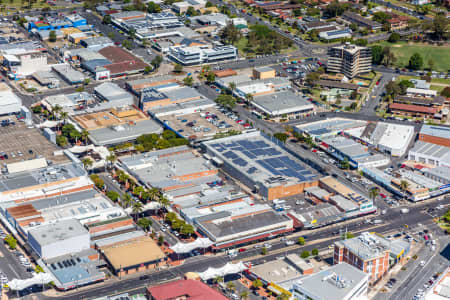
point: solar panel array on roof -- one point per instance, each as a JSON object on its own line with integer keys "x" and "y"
{"x": 262, "y": 153}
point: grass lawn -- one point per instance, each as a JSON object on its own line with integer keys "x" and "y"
{"x": 439, "y": 54}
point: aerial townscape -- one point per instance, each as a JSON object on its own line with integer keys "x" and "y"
{"x": 225, "y": 149}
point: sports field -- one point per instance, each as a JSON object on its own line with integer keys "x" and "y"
{"x": 439, "y": 54}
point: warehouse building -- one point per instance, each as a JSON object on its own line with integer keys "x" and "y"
{"x": 23, "y": 64}
{"x": 173, "y": 94}
{"x": 236, "y": 222}
{"x": 440, "y": 174}
{"x": 112, "y": 93}
{"x": 392, "y": 139}
{"x": 60, "y": 238}
{"x": 173, "y": 169}
{"x": 283, "y": 105}
{"x": 10, "y": 103}
{"x": 136, "y": 86}
{"x": 44, "y": 183}
{"x": 262, "y": 165}
{"x": 69, "y": 74}
{"x": 431, "y": 154}
{"x": 330, "y": 127}
{"x": 438, "y": 135}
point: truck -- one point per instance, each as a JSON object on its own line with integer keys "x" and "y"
{"x": 404, "y": 210}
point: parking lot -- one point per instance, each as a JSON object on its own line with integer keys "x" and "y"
{"x": 205, "y": 124}
{"x": 19, "y": 143}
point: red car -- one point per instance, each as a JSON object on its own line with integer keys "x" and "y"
{"x": 383, "y": 196}
{"x": 242, "y": 250}
{"x": 378, "y": 82}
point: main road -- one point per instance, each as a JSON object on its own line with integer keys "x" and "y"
{"x": 319, "y": 239}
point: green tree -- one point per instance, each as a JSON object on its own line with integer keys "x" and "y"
{"x": 61, "y": 141}
{"x": 178, "y": 68}
{"x": 347, "y": 235}
{"x": 160, "y": 240}
{"x": 188, "y": 80}
{"x": 111, "y": 35}
{"x": 11, "y": 241}
{"x": 52, "y": 36}
{"x": 156, "y": 62}
{"x": 152, "y": 7}
{"x": 394, "y": 37}
{"x": 388, "y": 57}
{"x": 127, "y": 200}
{"x": 144, "y": 223}
{"x": 416, "y": 61}
{"x": 373, "y": 193}
{"x": 244, "y": 295}
{"x": 137, "y": 208}
{"x": 304, "y": 254}
{"x": 404, "y": 185}
{"x": 218, "y": 279}
{"x": 147, "y": 69}
{"x": 211, "y": 77}
{"x": 345, "y": 164}
{"x": 431, "y": 64}
{"x": 106, "y": 19}
{"x": 440, "y": 26}
{"x": 227, "y": 101}
{"x": 87, "y": 163}
{"x": 191, "y": 11}
{"x": 263, "y": 251}
{"x": 257, "y": 283}
{"x": 187, "y": 230}
{"x": 230, "y": 34}
{"x": 231, "y": 286}
{"x": 39, "y": 269}
{"x": 113, "y": 195}
{"x": 281, "y": 136}
{"x": 377, "y": 54}
{"x": 301, "y": 241}
{"x": 126, "y": 44}
{"x": 315, "y": 251}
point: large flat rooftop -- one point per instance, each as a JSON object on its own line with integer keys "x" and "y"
{"x": 438, "y": 131}
{"x": 169, "y": 167}
{"x": 260, "y": 159}
{"x": 330, "y": 126}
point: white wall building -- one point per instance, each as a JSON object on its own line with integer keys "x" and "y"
{"x": 24, "y": 65}
{"x": 395, "y": 138}
{"x": 201, "y": 54}
{"x": 339, "y": 282}
{"x": 59, "y": 238}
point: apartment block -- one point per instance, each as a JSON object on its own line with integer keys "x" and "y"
{"x": 349, "y": 60}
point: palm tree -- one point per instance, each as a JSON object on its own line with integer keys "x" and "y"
{"x": 404, "y": 187}
{"x": 63, "y": 116}
{"x": 84, "y": 135}
{"x": 373, "y": 193}
{"x": 232, "y": 86}
{"x": 249, "y": 98}
{"x": 244, "y": 295}
{"x": 87, "y": 163}
{"x": 163, "y": 201}
{"x": 127, "y": 200}
{"x": 218, "y": 279}
{"x": 153, "y": 194}
{"x": 137, "y": 208}
{"x": 231, "y": 286}
{"x": 56, "y": 110}
{"x": 111, "y": 159}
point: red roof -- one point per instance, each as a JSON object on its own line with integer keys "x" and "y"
{"x": 122, "y": 61}
{"x": 413, "y": 108}
{"x": 190, "y": 289}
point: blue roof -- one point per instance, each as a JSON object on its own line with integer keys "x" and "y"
{"x": 90, "y": 65}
